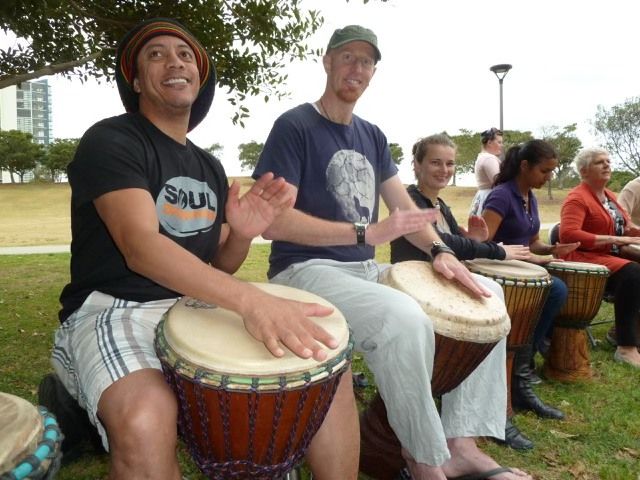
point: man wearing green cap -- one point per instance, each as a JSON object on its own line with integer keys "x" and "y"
{"x": 340, "y": 165}
{"x": 153, "y": 218}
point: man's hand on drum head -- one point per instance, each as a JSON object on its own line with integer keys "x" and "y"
{"x": 399, "y": 223}
{"x": 276, "y": 322}
{"x": 252, "y": 213}
{"x": 449, "y": 266}
{"x": 516, "y": 252}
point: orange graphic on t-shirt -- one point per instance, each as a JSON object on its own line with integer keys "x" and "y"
{"x": 189, "y": 215}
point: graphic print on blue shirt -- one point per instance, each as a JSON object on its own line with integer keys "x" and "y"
{"x": 351, "y": 182}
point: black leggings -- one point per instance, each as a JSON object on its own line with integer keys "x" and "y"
{"x": 625, "y": 287}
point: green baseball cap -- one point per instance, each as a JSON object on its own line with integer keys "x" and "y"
{"x": 352, "y": 33}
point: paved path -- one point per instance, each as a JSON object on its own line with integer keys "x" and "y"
{"x": 64, "y": 248}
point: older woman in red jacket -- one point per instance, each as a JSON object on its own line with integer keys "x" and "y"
{"x": 592, "y": 216}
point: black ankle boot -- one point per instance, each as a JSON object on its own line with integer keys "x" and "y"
{"x": 514, "y": 438}
{"x": 73, "y": 420}
{"x": 522, "y": 395}
{"x": 534, "y": 379}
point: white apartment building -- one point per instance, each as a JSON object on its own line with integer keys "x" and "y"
{"x": 27, "y": 108}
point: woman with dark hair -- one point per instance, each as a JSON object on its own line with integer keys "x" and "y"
{"x": 511, "y": 214}
{"x": 486, "y": 167}
{"x": 591, "y": 215}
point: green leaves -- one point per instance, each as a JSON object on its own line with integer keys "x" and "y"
{"x": 250, "y": 41}
{"x": 619, "y": 128}
{"x": 249, "y": 154}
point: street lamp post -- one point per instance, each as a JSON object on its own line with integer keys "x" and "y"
{"x": 501, "y": 71}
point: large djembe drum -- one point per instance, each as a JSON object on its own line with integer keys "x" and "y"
{"x": 526, "y": 287}
{"x": 29, "y": 440}
{"x": 568, "y": 358}
{"x": 466, "y": 329}
{"x": 244, "y": 413}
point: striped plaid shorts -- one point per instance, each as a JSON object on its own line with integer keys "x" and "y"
{"x": 103, "y": 341}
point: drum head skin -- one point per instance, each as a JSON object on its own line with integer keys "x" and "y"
{"x": 581, "y": 267}
{"x": 507, "y": 268}
{"x": 20, "y": 430}
{"x": 216, "y": 339}
{"x": 453, "y": 311}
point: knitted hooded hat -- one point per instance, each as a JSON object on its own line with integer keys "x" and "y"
{"x": 132, "y": 43}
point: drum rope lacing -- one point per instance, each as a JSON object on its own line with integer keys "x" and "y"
{"x": 47, "y": 449}
{"x": 232, "y": 469}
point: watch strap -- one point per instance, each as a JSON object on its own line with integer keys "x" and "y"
{"x": 439, "y": 247}
{"x": 361, "y": 230}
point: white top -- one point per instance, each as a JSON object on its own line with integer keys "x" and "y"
{"x": 486, "y": 168}
{"x": 629, "y": 198}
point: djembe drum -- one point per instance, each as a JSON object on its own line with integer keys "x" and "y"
{"x": 526, "y": 287}
{"x": 466, "y": 329}
{"x": 29, "y": 440}
{"x": 568, "y": 358}
{"x": 244, "y": 413}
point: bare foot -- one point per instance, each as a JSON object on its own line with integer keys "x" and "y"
{"x": 422, "y": 471}
{"x": 467, "y": 458}
{"x": 628, "y": 355}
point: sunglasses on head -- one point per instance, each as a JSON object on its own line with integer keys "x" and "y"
{"x": 491, "y": 133}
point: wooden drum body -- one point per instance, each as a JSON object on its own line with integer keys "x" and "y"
{"x": 244, "y": 413}
{"x": 526, "y": 287}
{"x": 568, "y": 358}
{"x": 466, "y": 329}
{"x": 30, "y": 440}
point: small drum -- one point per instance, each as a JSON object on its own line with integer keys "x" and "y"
{"x": 244, "y": 413}
{"x": 467, "y": 328}
{"x": 29, "y": 440}
{"x": 568, "y": 358}
{"x": 526, "y": 287}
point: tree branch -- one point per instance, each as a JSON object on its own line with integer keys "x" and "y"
{"x": 8, "y": 80}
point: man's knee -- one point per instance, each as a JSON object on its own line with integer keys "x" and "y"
{"x": 143, "y": 414}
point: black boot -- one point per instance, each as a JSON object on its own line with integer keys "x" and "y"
{"x": 514, "y": 438}
{"x": 522, "y": 396}
{"x": 534, "y": 379}
{"x": 72, "y": 419}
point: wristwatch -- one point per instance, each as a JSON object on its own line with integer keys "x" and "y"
{"x": 438, "y": 247}
{"x": 361, "y": 229}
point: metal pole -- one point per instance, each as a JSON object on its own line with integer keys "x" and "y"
{"x": 501, "y": 122}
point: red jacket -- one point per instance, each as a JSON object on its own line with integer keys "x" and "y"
{"x": 582, "y": 218}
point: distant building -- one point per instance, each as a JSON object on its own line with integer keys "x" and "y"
{"x": 27, "y": 108}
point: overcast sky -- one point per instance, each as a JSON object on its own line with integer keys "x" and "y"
{"x": 568, "y": 57}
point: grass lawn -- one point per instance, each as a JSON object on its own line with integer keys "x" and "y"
{"x": 38, "y": 214}
{"x": 600, "y": 438}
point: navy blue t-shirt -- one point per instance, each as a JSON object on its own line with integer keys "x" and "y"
{"x": 338, "y": 170}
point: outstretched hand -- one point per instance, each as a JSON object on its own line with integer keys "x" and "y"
{"x": 400, "y": 223}
{"x": 250, "y": 215}
{"x": 278, "y": 323}
{"x": 562, "y": 249}
{"x": 516, "y": 252}
{"x": 476, "y": 229}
